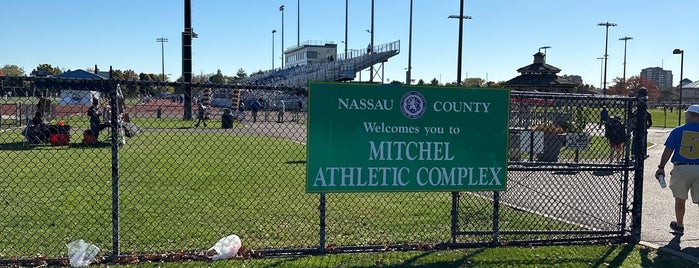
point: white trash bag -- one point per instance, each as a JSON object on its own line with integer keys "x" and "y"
{"x": 81, "y": 253}
{"x": 225, "y": 248}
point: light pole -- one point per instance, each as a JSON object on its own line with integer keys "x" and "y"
{"x": 371, "y": 70}
{"x": 298, "y": 23}
{"x": 370, "y": 49}
{"x": 601, "y": 71}
{"x": 606, "y": 56}
{"x": 681, "y": 52}
{"x": 461, "y": 18}
{"x": 544, "y": 48}
{"x": 281, "y": 8}
{"x": 273, "y": 32}
{"x": 346, "y": 13}
{"x": 625, "y": 39}
{"x": 162, "y": 41}
{"x": 410, "y": 46}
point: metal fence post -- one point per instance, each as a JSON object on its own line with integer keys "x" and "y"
{"x": 454, "y": 216}
{"x": 321, "y": 207}
{"x": 114, "y": 125}
{"x": 639, "y": 152}
{"x": 496, "y": 218}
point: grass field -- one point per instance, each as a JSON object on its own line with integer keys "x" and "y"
{"x": 185, "y": 189}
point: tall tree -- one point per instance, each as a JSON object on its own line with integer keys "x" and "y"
{"x": 117, "y": 74}
{"x": 669, "y": 94}
{"x": 631, "y": 85}
{"x": 200, "y": 78}
{"x": 12, "y": 70}
{"x": 240, "y": 74}
{"x": 144, "y": 77}
{"x": 585, "y": 89}
{"x": 130, "y": 75}
{"x": 434, "y": 82}
{"x": 46, "y": 69}
{"x": 218, "y": 78}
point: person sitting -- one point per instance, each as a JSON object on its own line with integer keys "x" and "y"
{"x": 39, "y": 131}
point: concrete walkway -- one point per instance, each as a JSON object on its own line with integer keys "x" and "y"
{"x": 658, "y": 207}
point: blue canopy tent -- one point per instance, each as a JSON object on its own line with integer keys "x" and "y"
{"x": 79, "y": 96}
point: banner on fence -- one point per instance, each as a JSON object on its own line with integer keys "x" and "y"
{"x": 383, "y": 138}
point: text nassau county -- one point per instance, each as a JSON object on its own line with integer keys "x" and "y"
{"x": 437, "y": 106}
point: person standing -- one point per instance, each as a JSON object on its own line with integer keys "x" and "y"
{"x": 603, "y": 116}
{"x": 280, "y": 114}
{"x": 201, "y": 115}
{"x": 615, "y": 132}
{"x": 254, "y": 108}
{"x": 681, "y": 148}
{"x": 94, "y": 114}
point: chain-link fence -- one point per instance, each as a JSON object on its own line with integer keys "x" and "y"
{"x": 572, "y": 175}
{"x": 156, "y": 186}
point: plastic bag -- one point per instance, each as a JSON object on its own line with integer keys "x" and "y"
{"x": 81, "y": 253}
{"x": 225, "y": 248}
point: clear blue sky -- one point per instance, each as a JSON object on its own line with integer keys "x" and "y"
{"x": 502, "y": 36}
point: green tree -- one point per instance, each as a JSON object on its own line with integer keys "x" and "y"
{"x": 669, "y": 94}
{"x": 11, "y": 70}
{"x": 420, "y": 82}
{"x": 46, "y": 69}
{"x": 130, "y": 75}
{"x": 200, "y": 78}
{"x": 218, "y": 78}
{"x": 585, "y": 89}
{"x": 240, "y": 75}
{"x": 494, "y": 84}
{"x": 434, "y": 82}
{"x": 143, "y": 77}
{"x": 117, "y": 74}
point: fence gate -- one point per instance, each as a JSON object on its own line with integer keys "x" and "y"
{"x": 565, "y": 181}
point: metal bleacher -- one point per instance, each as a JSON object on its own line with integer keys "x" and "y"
{"x": 344, "y": 68}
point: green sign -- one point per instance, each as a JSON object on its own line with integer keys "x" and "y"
{"x": 379, "y": 138}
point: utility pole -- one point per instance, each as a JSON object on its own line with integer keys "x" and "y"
{"x": 298, "y": 23}
{"x": 281, "y": 8}
{"x": 162, "y": 42}
{"x": 625, "y": 38}
{"x": 371, "y": 70}
{"x": 408, "y": 80}
{"x": 679, "y": 109}
{"x": 187, "y": 36}
{"x": 346, "y": 13}
{"x": 273, "y": 32}
{"x": 461, "y": 18}
{"x": 606, "y": 56}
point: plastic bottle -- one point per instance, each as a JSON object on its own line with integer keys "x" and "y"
{"x": 661, "y": 179}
